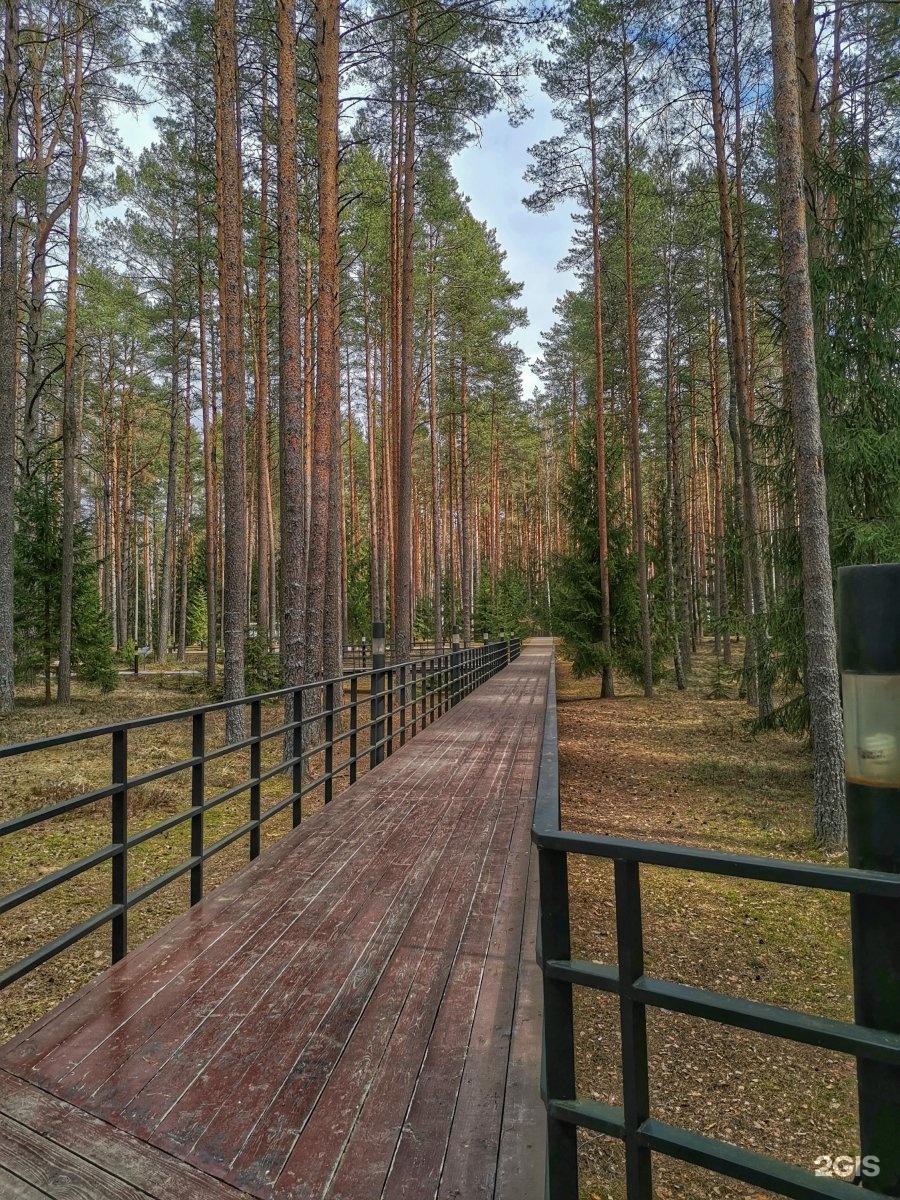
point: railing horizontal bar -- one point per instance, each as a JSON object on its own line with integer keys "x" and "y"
{"x": 78, "y": 735}
{"x": 770, "y": 1019}
{"x": 268, "y": 734}
{"x": 271, "y": 772}
{"x": 161, "y": 772}
{"x": 144, "y": 835}
{"x": 746, "y": 1165}
{"x": 766, "y": 870}
{"x": 279, "y": 807}
{"x": 226, "y": 841}
{"x": 721, "y": 1157}
{"x": 14, "y": 824}
{"x": 231, "y": 748}
{"x": 63, "y": 942}
{"x": 230, "y": 794}
{"x": 599, "y": 976}
{"x": 589, "y": 1114}
{"x": 161, "y": 881}
{"x": 13, "y": 899}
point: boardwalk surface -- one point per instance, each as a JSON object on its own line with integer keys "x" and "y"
{"x": 355, "y": 1015}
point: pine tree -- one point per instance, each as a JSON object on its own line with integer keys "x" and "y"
{"x": 37, "y": 600}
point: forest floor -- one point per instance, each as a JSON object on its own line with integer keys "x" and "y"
{"x": 683, "y": 767}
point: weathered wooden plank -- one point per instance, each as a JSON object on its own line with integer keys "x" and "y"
{"x": 415, "y": 1170}
{"x": 378, "y": 1132}
{"x": 470, "y": 1165}
{"x": 55, "y": 1171}
{"x": 429, "y": 937}
{"x": 83, "y": 1021}
{"x": 332, "y": 998}
{"x": 157, "y": 1173}
{"x": 439, "y": 906}
{"x": 181, "y": 1098}
{"x": 14, "y": 1188}
{"x": 120, "y": 1066}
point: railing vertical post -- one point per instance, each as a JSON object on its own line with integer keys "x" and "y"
{"x": 120, "y": 839}
{"x": 329, "y": 740}
{"x": 432, "y": 691}
{"x": 455, "y": 667}
{"x": 424, "y": 705}
{"x": 508, "y": 648}
{"x": 297, "y": 756}
{"x": 198, "y": 797}
{"x": 633, "y": 1020}
{"x": 376, "y": 727}
{"x": 255, "y": 772}
{"x": 354, "y": 688}
{"x": 559, "y": 1031}
{"x": 402, "y": 673}
{"x": 389, "y": 693}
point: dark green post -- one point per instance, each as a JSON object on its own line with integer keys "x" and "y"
{"x": 377, "y": 735}
{"x": 869, "y": 616}
{"x": 455, "y": 659}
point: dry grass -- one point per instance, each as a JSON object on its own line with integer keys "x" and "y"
{"x": 685, "y": 768}
{"x": 48, "y": 776}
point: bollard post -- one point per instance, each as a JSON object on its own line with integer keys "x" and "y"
{"x": 868, "y": 605}
{"x": 377, "y": 734}
{"x": 455, "y": 662}
{"x": 135, "y": 664}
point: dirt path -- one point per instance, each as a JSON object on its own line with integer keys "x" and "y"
{"x": 684, "y": 767}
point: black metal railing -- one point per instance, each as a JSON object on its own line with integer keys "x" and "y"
{"x": 632, "y": 1122}
{"x": 366, "y": 716}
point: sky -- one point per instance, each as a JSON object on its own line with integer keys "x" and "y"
{"x": 490, "y": 172}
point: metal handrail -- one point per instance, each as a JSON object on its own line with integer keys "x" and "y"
{"x": 401, "y": 701}
{"x": 631, "y": 1122}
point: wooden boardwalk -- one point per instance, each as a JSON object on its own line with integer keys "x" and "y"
{"x": 355, "y": 1015}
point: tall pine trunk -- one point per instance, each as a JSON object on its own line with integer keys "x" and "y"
{"x": 265, "y": 608}
{"x": 327, "y": 407}
{"x": 167, "y": 582}
{"x": 401, "y": 631}
{"x": 228, "y": 197}
{"x": 732, "y": 256}
{"x": 9, "y": 304}
{"x": 292, "y": 442}
{"x": 633, "y": 388}
{"x": 606, "y": 683}
{"x": 70, "y": 423}
{"x": 822, "y": 682}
